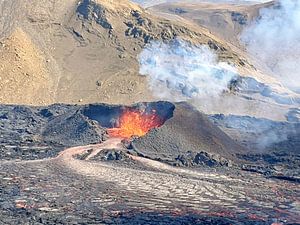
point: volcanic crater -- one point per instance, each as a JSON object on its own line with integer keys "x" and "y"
{"x": 128, "y": 121}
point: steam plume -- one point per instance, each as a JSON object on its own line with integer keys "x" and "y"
{"x": 187, "y": 70}
{"x": 275, "y": 39}
{"x": 178, "y": 70}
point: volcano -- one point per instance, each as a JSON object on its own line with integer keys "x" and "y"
{"x": 93, "y": 131}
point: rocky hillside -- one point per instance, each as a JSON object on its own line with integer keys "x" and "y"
{"x": 24, "y": 76}
{"x": 85, "y": 51}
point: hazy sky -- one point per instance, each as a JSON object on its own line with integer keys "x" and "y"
{"x": 148, "y": 3}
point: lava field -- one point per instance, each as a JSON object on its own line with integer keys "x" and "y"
{"x": 148, "y": 163}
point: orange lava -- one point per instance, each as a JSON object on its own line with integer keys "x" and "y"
{"x": 135, "y": 123}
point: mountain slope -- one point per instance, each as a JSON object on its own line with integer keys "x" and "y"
{"x": 86, "y": 51}
{"x": 24, "y": 76}
{"x": 91, "y": 47}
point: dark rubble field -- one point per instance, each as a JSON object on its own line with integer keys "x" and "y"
{"x": 46, "y": 179}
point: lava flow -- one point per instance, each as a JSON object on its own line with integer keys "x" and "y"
{"x": 135, "y": 123}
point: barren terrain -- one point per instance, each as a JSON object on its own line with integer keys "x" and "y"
{"x": 178, "y": 173}
{"x": 72, "y": 73}
{"x": 48, "y": 191}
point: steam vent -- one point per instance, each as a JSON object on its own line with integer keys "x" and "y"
{"x": 149, "y": 112}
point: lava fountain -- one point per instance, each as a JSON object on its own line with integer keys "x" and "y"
{"x": 133, "y": 122}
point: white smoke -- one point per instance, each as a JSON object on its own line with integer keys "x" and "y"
{"x": 178, "y": 70}
{"x": 188, "y": 71}
{"x": 274, "y": 38}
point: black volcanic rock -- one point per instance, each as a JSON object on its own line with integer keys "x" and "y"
{"x": 41, "y": 132}
{"x": 72, "y": 129}
{"x": 111, "y": 155}
{"x": 193, "y": 159}
{"x": 90, "y": 11}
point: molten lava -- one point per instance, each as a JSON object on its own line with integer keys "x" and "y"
{"x": 135, "y": 123}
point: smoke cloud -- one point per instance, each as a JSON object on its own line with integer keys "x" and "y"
{"x": 274, "y": 38}
{"x": 178, "y": 70}
{"x": 184, "y": 70}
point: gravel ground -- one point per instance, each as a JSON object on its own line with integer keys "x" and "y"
{"x": 67, "y": 190}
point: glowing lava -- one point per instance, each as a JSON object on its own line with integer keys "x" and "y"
{"x": 135, "y": 123}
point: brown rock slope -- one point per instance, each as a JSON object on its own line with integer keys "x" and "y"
{"x": 90, "y": 48}
{"x": 24, "y": 78}
{"x": 224, "y": 20}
